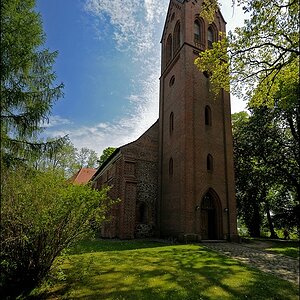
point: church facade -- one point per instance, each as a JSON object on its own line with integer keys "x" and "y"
{"x": 177, "y": 179}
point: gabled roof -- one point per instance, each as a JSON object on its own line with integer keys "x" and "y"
{"x": 116, "y": 152}
{"x": 83, "y": 176}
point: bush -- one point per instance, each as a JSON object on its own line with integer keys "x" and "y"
{"x": 41, "y": 214}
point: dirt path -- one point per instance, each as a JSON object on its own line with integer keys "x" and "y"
{"x": 279, "y": 265}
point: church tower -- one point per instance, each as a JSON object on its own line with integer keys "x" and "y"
{"x": 197, "y": 193}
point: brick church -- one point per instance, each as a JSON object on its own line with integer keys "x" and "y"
{"x": 177, "y": 179}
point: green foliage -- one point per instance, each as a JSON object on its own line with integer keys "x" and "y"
{"x": 208, "y": 10}
{"x": 41, "y": 214}
{"x": 217, "y": 60}
{"x": 259, "y": 52}
{"x": 27, "y": 89}
{"x": 267, "y": 166}
{"x": 66, "y": 160}
{"x": 105, "y": 269}
{"x": 107, "y": 152}
{"x": 87, "y": 158}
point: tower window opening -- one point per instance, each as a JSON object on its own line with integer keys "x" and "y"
{"x": 171, "y": 122}
{"x": 208, "y": 118}
{"x": 176, "y": 42}
{"x": 171, "y": 167}
{"x": 209, "y": 162}
{"x": 197, "y": 32}
{"x": 172, "y": 81}
{"x": 210, "y": 37}
{"x": 169, "y": 49}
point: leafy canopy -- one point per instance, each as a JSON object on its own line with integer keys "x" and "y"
{"x": 107, "y": 152}
{"x": 260, "y": 51}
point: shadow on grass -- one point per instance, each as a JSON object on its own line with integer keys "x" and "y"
{"x": 170, "y": 272}
{"x": 102, "y": 245}
{"x": 288, "y": 248}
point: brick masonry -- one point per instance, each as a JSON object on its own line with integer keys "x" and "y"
{"x": 163, "y": 179}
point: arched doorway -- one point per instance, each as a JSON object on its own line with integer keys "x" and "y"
{"x": 209, "y": 213}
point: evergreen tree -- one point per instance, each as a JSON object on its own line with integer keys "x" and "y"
{"x": 27, "y": 81}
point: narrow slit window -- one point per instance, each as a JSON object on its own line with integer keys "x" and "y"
{"x": 171, "y": 122}
{"x": 176, "y": 43}
{"x": 169, "y": 49}
{"x": 208, "y": 117}
{"x": 171, "y": 167}
{"x": 209, "y": 162}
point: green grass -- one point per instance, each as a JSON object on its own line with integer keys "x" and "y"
{"x": 287, "y": 251}
{"x": 284, "y": 247}
{"x": 139, "y": 270}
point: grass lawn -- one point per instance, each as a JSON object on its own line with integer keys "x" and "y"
{"x": 285, "y": 247}
{"x": 138, "y": 270}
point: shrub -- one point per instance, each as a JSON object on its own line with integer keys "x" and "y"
{"x": 41, "y": 214}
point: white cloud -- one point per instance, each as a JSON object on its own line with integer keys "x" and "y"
{"x": 56, "y": 120}
{"x": 137, "y": 28}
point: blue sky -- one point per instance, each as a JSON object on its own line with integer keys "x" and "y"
{"x": 109, "y": 61}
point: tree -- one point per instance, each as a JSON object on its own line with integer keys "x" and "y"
{"x": 248, "y": 181}
{"x": 107, "y": 152}
{"x": 67, "y": 159}
{"x": 256, "y": 54}
{"x": 41, "y": 215}
{"x": 266, "y": 167}
{"x": 87, "y": 158}
{"x": 27, "y": 89}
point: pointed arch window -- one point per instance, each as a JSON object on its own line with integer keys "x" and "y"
{"x": 176, "y": 42}
{"x": 197, "y": 32}
{"x": 210, "y": 37}
{"x": 169, "y": 49}
{"x": 207, "y": 116}
{"x": 171, "y": 167}
{"x": 171, "y": 124}
{"x": 209, "y": 163}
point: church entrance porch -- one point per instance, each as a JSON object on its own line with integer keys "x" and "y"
{"x": 209, "y": 218}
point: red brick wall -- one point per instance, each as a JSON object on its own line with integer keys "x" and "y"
{"x": 140, "y": 172}
{"x": 192, "y": 140}
{"x": 133, "y": 177}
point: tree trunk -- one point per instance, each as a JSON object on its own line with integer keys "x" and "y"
{"x": 270, "y": 222}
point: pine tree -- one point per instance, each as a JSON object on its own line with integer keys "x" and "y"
{"x": 28, "y": 90}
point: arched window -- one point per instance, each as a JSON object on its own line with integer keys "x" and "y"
{"x": 209, "y": 162}
{"x": 169, "y": 48}
{"x": 171, "y": 166}
{"x": 172, "y": 81}
{"x": 207, "y": 116}
{"x": 197, "y": 32}
{"x": 171, "y": 125}
{"x": 142, "y": 213}
{"x": 210, "y": 37}
{"x": 176, "y": 43}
